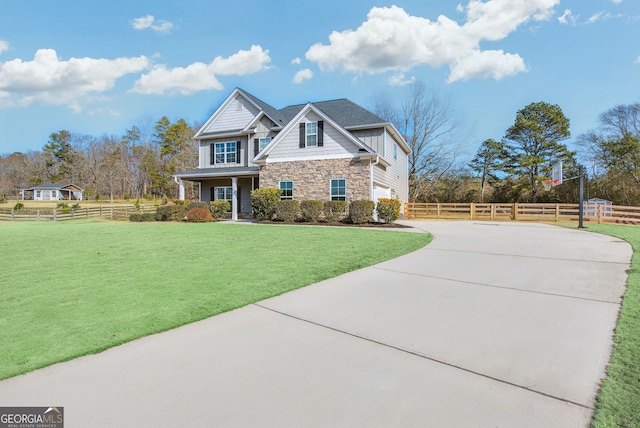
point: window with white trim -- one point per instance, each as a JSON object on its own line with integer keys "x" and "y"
{"x": 263, "y": 142}
{"x": 339, "y": 189}
{"x": 312, "y": 134}
{"x": 287, "y": 189}
{"x": 226, "y": 152}
{"x": 223, "y": 194}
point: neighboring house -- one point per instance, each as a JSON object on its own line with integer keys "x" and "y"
{"x": 52, "y": 192}
{"x": 321, "y": 150}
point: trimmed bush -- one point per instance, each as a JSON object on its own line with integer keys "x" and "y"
{"x": 139, "y": 217}
{"x": 334, "y": 210}
{"x": 170, "y": 212}
{"x": 263, "y": 202}
{"x": 361, "y": 211}
{"x": 219, "y": 209}
{"x": 287, "y": 210}
{"x": 198, "y": 215}
{"x": 311, "y": 210}
{"x": 388, "y": 209}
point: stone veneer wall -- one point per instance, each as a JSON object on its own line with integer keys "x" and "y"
{"x": 312, "y": 178}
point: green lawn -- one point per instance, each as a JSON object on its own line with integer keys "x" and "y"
{"x": 79, "y": 287}
{"x": 618, "y": 403}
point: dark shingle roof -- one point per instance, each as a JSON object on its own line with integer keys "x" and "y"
{"x": 345, "y": 112}
{"x": 273, "y": 113}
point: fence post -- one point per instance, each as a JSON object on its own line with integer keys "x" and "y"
{"x": 438, "y": 210}
{"x": 38, "y": 215}
{"x": 557, "y": 213}
{"x": 100, "y": 210}
{"x": 600, "y": 213}
{"x": 87, "y": 212}
{"x": 472, "y": 211}
{"x": 493, "y": 212}
{"x": 514, "y": 214}
{"x": 55, "y": 214}
{"x": 12, "y": 211}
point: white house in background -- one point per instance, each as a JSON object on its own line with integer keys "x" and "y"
{"x": 328, "y": 150}
{"x": 52, "y": 192}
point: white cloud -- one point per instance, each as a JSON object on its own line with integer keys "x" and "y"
{"x": 4, "y": 46}
{"x": 617, "y": 1}
{"x": 48, "y": 80}
{"x": 567, "y": 18}
{"x": 392, "y": 40}
{"x": 400, "y": 80}
{"x": 296, "y": 61}
{"x": 595, "y": 17}
{"x": 200, "y": 76}
{"x": 302, "y": 75}
{"x": 149, "y": 21}
{"x": 638, "y": 60}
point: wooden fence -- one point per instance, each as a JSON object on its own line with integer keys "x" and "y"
{"x": 120, "y": 212}
{"x": 523, "y": 212}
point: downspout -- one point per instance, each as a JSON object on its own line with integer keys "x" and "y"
{"x": 371, "y": 165}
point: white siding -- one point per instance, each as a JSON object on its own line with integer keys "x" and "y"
{"x": 234, "y": 116}
{"x": 395, "y": 176}
{"x": 335, "y": 144}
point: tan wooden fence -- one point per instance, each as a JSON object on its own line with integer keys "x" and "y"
{"x": 111, "y": 212}
{"x": 522, "y": 212}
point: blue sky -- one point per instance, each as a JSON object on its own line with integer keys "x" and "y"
{"x": 98, "y": 67}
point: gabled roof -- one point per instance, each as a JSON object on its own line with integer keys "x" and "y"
{"x": 54, "y": 186}
{"x": 344, "y": 112}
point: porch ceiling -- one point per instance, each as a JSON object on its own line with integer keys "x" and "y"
{"x": 207, "y": 173}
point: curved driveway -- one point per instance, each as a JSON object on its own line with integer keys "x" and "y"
{"x": 491, "y": 325}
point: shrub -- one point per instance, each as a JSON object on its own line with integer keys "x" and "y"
{"x": 75, "y": 206}
{"x": 195, "y": 204}
{"x": 139, "y": 217}
{"x": 198, "y": 215}
{"x": 263, "y": 202}
{"x": 361, "y": 211}
{"x": 219, "y": 209}
{"x": 170, "y": 213}
{"x": 311, "y": 210}
{"x": 287, "y": 210}
{"x": 3, "y": 199}
{"x": 388, "y": 209}
{"x": 334, "y": 210}
{"x": 18, "y": 206}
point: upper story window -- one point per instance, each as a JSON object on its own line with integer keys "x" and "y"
{"x": 264, "y": 142}
{"x": 227, "y": 152}
{"x": 311, "y": 134}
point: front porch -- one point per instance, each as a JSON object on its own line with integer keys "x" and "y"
{"x": 229, "y": 184}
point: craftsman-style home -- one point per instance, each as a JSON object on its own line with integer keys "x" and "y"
{"x": 328, "y": 150}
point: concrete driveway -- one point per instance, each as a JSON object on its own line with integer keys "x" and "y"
{"x": 491, "y": 325}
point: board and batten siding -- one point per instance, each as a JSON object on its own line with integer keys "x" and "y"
{"x": 236, "y": 115}
{"x": 373, "y": 138}
{"x": 396, "y": 175}
{"x": 204, "y": 152}
{"x": 334, "y": 144}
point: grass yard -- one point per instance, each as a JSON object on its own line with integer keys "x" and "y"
{"x": 618, "y": 403}
{"x": 79, "y": 287}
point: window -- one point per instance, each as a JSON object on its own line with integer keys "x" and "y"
{"x": 312, "y": 134}
{"x": 287, "y": 189}
{"x": 54, "y": 194}
{"x": 38, "y": 194}
{"x": 226, "y": 152}
{"x": 263, "y": 142}
{"x": 339, "y": 190}
{"x": 223, "y": 194}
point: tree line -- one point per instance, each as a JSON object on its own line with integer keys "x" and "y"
{"x": 138, "y": 164}
{"x": 142, "y": 162}
{"x": 513, "y": 167}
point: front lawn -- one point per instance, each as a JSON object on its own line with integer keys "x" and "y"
{"x": 74, "y": 288}
{"x": 618, "y": 403}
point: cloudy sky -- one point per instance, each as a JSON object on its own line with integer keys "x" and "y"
{"x": 99, "y": 67}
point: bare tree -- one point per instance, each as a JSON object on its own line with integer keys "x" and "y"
{"x": 428, "y": 123}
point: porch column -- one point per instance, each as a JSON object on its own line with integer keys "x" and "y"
{"x": 234, "y": 199}
{"x": 181, "y": 191}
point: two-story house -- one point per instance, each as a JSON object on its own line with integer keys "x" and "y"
{"x": 329, "y": 150}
